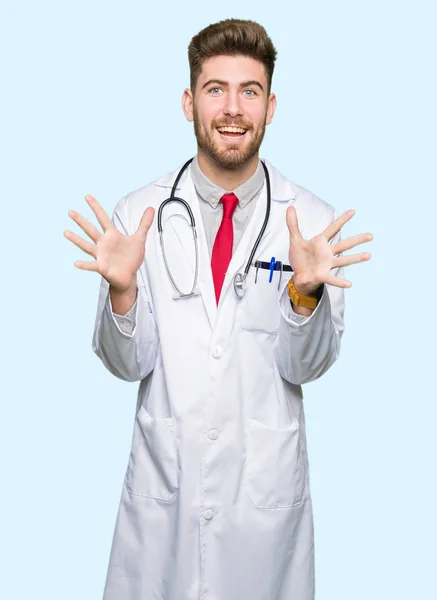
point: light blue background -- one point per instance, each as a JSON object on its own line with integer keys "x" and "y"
{"x": 90, "y": 103}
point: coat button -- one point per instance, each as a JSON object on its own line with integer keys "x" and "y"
{"x": 208, "y": 514}
{"x": 213, "y": 434}
{"x": 217, "y": 352}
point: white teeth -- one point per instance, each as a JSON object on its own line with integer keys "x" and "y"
{"x": 231, "y": 129}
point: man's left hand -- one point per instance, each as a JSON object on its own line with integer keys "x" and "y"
{"x": 312, "y": 260}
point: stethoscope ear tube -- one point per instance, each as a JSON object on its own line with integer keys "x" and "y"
{"x": 175, "y": 199}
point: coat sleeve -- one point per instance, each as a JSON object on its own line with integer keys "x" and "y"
{"x": 305, "y": 350}
{"x": 129, "y": 353}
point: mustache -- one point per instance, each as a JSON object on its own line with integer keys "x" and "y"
{"x": 232, "y": 124}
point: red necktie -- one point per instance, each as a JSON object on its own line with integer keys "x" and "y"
{"x": 222, "y": 249}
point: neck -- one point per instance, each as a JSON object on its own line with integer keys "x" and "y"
{"x": 226, "y": 178}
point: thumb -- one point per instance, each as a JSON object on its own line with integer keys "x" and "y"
{"x": 146, "y": 221}
{"x": 292, "y": 224}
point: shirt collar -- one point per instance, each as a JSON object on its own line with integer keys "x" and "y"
{"x": 211, "y": 193}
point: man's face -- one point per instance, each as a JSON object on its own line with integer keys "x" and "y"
{"x": 231, "y": 92}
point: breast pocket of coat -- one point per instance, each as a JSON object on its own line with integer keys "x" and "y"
{"x": 274, "y": 471}
{"x": 153, "y": 469}
{"x": 259, "y": 307}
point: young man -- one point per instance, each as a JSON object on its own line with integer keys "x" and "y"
{"x": 216, "y": 502}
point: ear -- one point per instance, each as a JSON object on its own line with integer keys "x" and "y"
{"x": 271, "y": 107}
{"x": 187, "y": 104}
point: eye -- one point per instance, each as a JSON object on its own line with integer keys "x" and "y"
{"x": 213, "y": 89}
{"x": 252, "y": 93}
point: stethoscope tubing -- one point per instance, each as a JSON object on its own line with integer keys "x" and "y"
{"x": 240, "y": 276}
{"x": 264, "y": 225}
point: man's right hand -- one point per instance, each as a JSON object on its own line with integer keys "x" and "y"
{"x": 117, "y": 256}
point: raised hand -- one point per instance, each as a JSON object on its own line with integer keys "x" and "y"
{"x": 117, "y": 256}
{"x": 312, "y": 260}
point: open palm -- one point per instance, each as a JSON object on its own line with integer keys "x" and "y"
{"x": 117, "y": 256}
{"x": 312, "y": 260}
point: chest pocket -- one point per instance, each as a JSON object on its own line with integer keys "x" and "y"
{"x": 259, "y": 307}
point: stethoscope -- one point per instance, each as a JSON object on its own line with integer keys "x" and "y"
{"x": 240, "y": 278}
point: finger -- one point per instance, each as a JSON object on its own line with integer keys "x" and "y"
{"x": 336, "y": 225}
{"x": 338, "y": 282}
{"x": 101, "y": 215}
{"x": 146, "y": 221}
{"x": 351, "y": 242}
{"x": 86, "y": 265}
{"x": 80, "y": 243}
{"x": 291, "y": 218}
{"x": 91, "y": 231}
{"x": 344, "y": 261}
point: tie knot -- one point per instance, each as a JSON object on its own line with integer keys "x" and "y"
{"x": 230, "y": 202}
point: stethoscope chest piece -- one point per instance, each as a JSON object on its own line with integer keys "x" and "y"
{"x": 240, "y": 284}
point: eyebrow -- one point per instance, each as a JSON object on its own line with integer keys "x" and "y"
{"x": 242, "y": 85}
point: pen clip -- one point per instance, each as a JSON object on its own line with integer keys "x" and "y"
{"x": 280, "y": 268}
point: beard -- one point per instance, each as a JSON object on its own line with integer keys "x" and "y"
{"x": 233, "y": 156}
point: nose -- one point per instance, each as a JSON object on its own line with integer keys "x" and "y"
{"x": 233, "y": 104}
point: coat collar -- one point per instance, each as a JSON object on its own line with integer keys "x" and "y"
{"x": 282, "y": 190}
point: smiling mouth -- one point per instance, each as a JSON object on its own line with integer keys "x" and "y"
{"x": 231, "y": 133}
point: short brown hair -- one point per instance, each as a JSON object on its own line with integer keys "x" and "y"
{"x": 231, "y": 37}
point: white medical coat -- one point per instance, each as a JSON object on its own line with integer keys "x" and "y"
{"x": 216, "y": 502}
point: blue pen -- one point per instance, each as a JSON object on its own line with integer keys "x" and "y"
{"x": 272, "y": 268}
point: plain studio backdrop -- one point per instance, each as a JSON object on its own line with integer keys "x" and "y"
{"x": 90, "y": 103}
